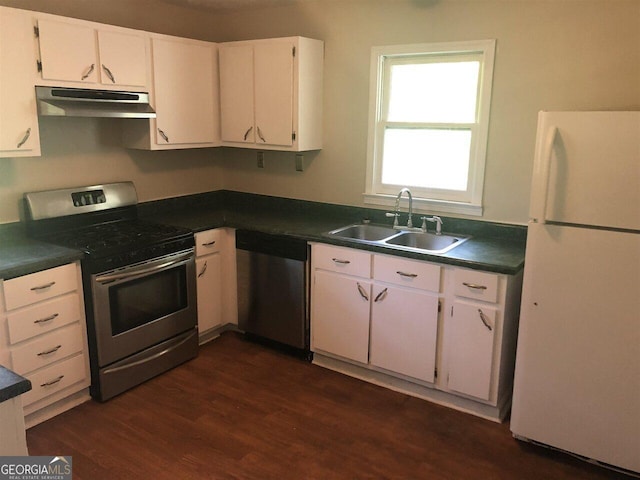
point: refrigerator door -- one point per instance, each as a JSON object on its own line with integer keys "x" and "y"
{"x": 577, "y": 379}
{"x": 587, "y": 169}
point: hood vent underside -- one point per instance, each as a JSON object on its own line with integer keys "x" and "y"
{"x": 79, "y": 102}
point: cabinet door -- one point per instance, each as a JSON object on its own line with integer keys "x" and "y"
{"x": 18, "y": 117}
{"x": 274, "y": 93}
{"x": 404, "y": 327}
{"x": 68, "y": 52}
{"x": 184, "y": 89}
{"x": 122, "y": 59}
{"x": 236, "y": 93}
{"x": 340, "y": 315}
{"x": 208, "y": 271}
{"x": 471, "y": 334}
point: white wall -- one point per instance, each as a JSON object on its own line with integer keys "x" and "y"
{"x": 551, "y": 54}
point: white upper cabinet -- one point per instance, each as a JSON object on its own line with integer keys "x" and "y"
{"x": 77, "y": 52}
{"x": 271, "y": 94}
{"x": 19, "y": 135}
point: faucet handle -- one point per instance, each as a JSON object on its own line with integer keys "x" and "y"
{"x": 395, "y": 217}
{"x": 435, "y": 219}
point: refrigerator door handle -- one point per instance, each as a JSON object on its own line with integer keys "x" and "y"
{"x": 540, "y": 194}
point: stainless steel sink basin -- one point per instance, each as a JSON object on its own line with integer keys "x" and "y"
{"x": 399, "y": 239}
{"x": 426, "y": 241}
{"x": 364, "y": 232}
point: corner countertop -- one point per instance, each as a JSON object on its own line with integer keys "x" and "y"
{"x": 12, "y": 384}
{"x": 493, "y": 253}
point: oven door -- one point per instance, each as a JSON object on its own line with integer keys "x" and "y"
{"x": 139, "y": 306}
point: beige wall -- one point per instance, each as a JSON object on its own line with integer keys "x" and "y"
{"x": 551, "y": 54}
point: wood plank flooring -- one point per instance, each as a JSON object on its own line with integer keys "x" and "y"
{"x": 244, "y": 411}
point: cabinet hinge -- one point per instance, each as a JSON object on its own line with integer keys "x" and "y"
{"x": 39, "y": 65}
{"x": 435, "y": 373}
{"x": 439, "y": 306}
{"x": 452, "y": 310}
{"x": 293, "y": 51}
{"x": 36, "y": 31}
{"x": 293, "y": 136}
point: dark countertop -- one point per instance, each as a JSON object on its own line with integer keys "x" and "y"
{"x": 493, "y": 247}
{"x": 21, "y": 255}
{"x": 498, "y": 250}
{"x": 12, "y": 384}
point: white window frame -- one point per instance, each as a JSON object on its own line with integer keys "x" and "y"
{"x": 468, "y": 202}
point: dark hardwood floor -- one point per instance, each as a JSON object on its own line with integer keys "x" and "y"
{"x": 243, "y": 411}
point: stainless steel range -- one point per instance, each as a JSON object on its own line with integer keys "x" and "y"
{"x": 138, "y": 278}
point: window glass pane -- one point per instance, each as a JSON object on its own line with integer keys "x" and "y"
{"x": 434, "y": 92}
{"x": 426, "y": 158}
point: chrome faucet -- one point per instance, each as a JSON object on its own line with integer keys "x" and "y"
{"x": 435, "y": 219}
{"x": 396, "y": 212}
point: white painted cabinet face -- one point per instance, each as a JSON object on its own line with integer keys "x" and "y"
{"x": 209, "y": 284}
{"x": 184, "y": 91}
{"x": 19, "y": 134}
{"x": 404, "y": 327}
{"x": 472, "y": 330}
{"x": 74, "y": 52}
{"x": 341, "y": 315}
{"x": 236, "y": 93}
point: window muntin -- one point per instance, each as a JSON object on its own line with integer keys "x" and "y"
{"x": 429, "y": 123}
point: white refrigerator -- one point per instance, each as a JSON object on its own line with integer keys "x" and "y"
{"x": 577, "y": 377}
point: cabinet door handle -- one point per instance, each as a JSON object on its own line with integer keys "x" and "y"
{"x": 163, "y": 135}
{"x": 408, "y": 275}
{"x": 246, "y": 134}
{"x": 208, "y": 244}
{"x": 341, "y": 262}
{"x": 27, "y": 134}
{"x": 109, "y": 74}
{"x": 50, "y": 351}
{"x": 363, "y": 292}
{"x": 484, "y": 319}
{"x": 260, "y": 134}
{"x": 88, "y": 72}
{"x": 381, "y": 296}
{"x": 204, "y": 269}
{"x": 475, "y": 286}
{"x": 52, "y": 382}
{"x": 43, "y": 287}
{"x": 45, "y": 320}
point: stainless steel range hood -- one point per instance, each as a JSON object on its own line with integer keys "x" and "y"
{"x": 80, "y": 102}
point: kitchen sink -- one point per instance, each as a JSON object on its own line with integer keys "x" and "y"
{"x": 426, "y": 241}
{"x": 399, "y": 239}
{"x": 364, "y": 232}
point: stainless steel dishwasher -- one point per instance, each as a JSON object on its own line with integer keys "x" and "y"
{"x": 273, "y": 288}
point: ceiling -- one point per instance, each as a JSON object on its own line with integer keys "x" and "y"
{"x": 229, "y": 5}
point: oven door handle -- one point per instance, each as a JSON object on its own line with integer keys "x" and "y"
{"x": 142, "y": 271}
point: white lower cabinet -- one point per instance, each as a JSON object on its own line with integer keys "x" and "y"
{"x": 435, "y": 331}
{"x": 43, "y": 338}
{"x": 215, "y": 258}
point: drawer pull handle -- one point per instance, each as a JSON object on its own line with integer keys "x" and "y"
{"x": 50, "y": 351}
{"x": 204, "y": 269}
{"x": 52, "y": 382}
{"x": 381, "y": 296}
{"x": 342, "y": 262}
{"x": 474, "y": 286}
{"x": 45, "y": 320}
{"x": 363, "y": 292}
{"x": 484, "y": 319}
{"x": 43, "y": 287}
{"x": 208, "y": 244}
{"x": 408, "y": 275}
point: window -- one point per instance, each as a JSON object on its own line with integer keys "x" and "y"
{"x": 428, "y": 124}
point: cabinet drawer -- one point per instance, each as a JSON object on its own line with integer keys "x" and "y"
{"x": 474, "y": 284}
{"x": 342, "y": 260}
{"x": 40, "y": 286}
{"x": 43, "y": 318}
{"x": 54, "y": 378}
{"x": 405, "y": 272}
{"x": 47, "y": 349}
{"x": 208, "y": 242}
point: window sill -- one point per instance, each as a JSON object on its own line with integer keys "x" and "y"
{"x": 423, "y": 205}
